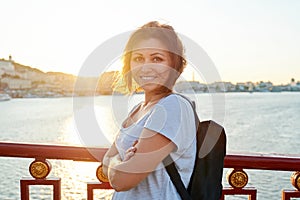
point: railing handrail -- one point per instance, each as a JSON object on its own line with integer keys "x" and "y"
{"x": 283, "y": 162}
{"x": 49, "y": 151}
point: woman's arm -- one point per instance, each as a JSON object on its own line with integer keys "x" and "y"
{"x": 151, "y": 149}
{"x": 111, "y": 152}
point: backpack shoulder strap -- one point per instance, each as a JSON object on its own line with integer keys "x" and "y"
{"x": 175, "y": 178}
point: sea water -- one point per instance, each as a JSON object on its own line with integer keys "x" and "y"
{"x": 255, "y": 123}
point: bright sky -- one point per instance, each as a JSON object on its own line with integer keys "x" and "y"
{"x": 250, "y": 40}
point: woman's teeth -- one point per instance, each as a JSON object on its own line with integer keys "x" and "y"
{"x": 147, "y": 77}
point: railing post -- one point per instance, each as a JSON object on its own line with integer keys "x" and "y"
{"x": 24, "y": 190}
{"x": 288, "y": 194}
{"x": 238, "y": 179}
{"x": 102, "y": 184}
{"x": 95, "y": 185}
{"x": 39, "y": 169}
{"x": 26, "y": 182}
{"x": 251, "y": 192}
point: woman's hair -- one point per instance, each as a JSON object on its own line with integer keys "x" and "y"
{"x": 162, "y": 32}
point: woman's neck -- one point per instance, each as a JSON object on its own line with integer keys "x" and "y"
{"x": 152, "y": 98}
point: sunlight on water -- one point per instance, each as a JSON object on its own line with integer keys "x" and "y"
{"x": 75, "y": 176}
{"x": 68, "y": 133}
{"x": 108, "y": 127}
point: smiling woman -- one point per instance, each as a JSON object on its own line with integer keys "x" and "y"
{"x": 151, "y": 67}
{"x": 163, "y": 47}
{"x": 161, "y": 125}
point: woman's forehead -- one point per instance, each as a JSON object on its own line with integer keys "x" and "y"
{"x": 150, "y": 51}
{"x": 150, "y": 44}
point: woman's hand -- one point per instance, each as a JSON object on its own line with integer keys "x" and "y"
{"x": 115, "y": 160}
{"x": 130, "y": 152}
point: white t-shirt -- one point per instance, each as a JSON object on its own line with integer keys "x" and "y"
{"x": 172, "y": 117}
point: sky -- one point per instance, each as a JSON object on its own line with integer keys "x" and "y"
{"x": 247, "y": 40}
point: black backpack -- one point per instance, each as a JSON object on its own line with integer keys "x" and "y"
{"x": 206, "y": 179}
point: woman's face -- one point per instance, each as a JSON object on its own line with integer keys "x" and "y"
{"x": 151, "y": 65}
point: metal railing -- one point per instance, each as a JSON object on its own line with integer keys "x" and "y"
{"x": 237, "y": 177}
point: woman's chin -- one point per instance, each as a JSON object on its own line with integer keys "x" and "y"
{"x": 154, "y": 88}
{"x": 149, "y": 87}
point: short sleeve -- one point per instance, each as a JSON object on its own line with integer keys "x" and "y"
{"x": 167, "y": 119}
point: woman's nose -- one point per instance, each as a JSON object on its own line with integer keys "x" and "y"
{"x": 145, "y": 67}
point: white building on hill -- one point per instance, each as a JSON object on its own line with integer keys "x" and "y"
{"x": 7, "y": 67}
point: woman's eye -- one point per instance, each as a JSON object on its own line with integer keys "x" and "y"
{"x": 157, "y": 59}
{"x": 138, "y": 59}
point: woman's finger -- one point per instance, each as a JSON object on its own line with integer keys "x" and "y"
{"x": 133, "y": 149}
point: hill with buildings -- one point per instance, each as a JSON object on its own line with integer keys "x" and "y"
{"x": 21, "y": 81}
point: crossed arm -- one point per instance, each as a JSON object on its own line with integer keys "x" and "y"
{"x": 150, "y": 150}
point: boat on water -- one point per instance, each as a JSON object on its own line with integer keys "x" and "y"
{"x": 4, "y": 97}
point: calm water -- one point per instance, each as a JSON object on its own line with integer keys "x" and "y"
{"x": 255, "y": 123}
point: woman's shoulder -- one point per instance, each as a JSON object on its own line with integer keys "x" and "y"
{"x": 174, "y": 103}
{"x": 176, "y": 98}
{"x": 170, "y": 100}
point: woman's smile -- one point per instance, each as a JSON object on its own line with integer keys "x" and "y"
{"x": 148, "y": 78}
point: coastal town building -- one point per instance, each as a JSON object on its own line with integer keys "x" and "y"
{"x": 294, "y": 86}
{"x": 7, "y": 67}
{"x": 264, "y": 86}
{"x": 16, "y": 83}
{"x": 190, "y": 87}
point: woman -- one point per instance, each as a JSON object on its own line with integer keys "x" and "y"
{"x": 162, "y": 124}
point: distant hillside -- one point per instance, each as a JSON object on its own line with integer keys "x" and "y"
{"x": 22, "y": 68}
{"x": 59, "y": 74}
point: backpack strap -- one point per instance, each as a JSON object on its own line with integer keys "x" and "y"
{"x": 175, "y": 178}
{"x": 170, "y": 164}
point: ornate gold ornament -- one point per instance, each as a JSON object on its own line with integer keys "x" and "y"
{"x": 237, "y": 178}
{"x": 40, "y": 169}
{"x": 295, "y": 179}
{"x": 100, "y": 175}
